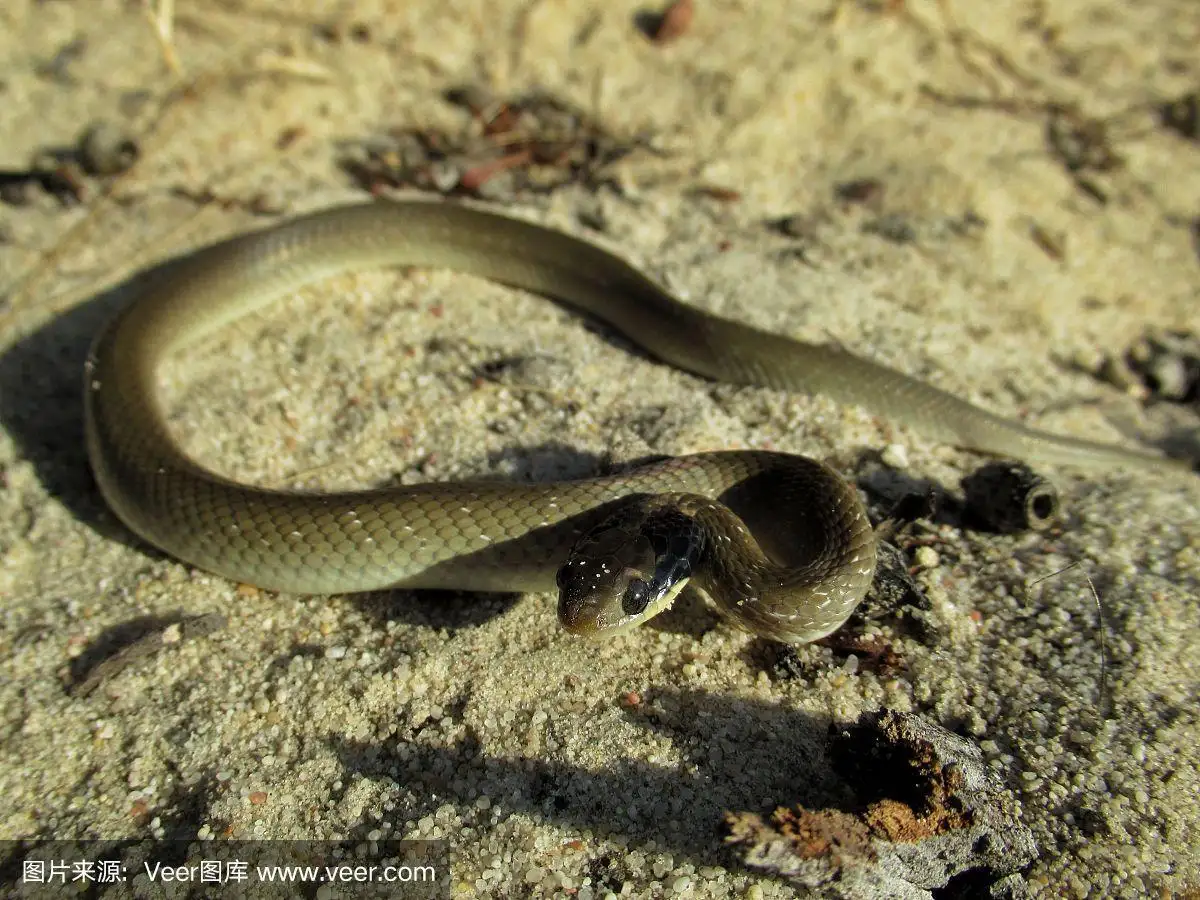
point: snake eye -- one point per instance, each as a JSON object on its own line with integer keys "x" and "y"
{"x": 636, "y": 598}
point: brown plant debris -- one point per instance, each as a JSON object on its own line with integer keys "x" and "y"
{"x": 531, "y": 143}
{"x": 928, "y": 812}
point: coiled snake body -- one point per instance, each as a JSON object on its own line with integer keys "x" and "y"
{"x": 780, "y": 543}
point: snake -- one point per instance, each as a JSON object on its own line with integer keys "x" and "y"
{"x": 781, "y": 544}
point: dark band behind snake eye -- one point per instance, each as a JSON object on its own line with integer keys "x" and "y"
{"x": 677, "y": 542}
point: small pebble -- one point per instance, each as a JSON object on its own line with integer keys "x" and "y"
{"x": 1167, "y": 363}
{"x": 1170, "y": 376}
{"x": 105, "y": 149}
{"x": 674, "y": 22}
{"x": 895, "y": 456}
{"x": 927, "y": 558}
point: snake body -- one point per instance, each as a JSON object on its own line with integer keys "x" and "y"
{"x": 787, "y": 551}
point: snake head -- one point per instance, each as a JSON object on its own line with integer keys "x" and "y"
{"x": 626, "y": 570}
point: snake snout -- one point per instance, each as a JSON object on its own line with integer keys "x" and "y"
{"x": 600, "y": 592}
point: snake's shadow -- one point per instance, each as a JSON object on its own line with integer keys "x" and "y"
{"x": 41, "y": 405}
{"x": 732, "y": 747}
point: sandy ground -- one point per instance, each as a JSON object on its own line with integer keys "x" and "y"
{"x": 981, "y": 263}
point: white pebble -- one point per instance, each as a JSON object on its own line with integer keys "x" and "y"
{"x": 927, "y": 558}
{"x": 895, "y": 456}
